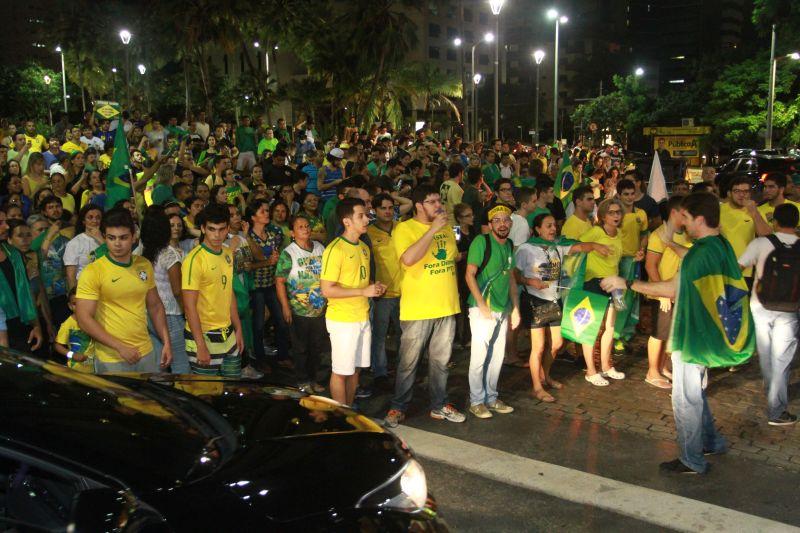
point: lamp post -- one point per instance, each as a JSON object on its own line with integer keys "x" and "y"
{"x": 538, "y": 56}
{"x": 142, "y": 70}
{"x": 552, "y": 14}
{"x": 487, "y": 38}
{"x": 114, "y": 82}
{"x": 47, "y": 81}
{"x": 125, "y": 36}
{"x": 639, "y": 72}
{"x": 496, "y": 6}
{"x": 476, "y": 80}
{"x": 457, "y": 42}
{"x": 795, "y": 56}
{"x": 63, "y": 76}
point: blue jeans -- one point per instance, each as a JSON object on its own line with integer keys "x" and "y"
{"x": 175, "y": 324}
{"x": 486, "y": 355}
{"x": 415, "y": 334}
{"x": 776, "y": 338}
{"x": 384, "y": 312}
{"x": 693, "y": 420}
{"x": 259, "y": 298}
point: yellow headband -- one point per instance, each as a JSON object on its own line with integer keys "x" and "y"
{"x": 500, "y": 208}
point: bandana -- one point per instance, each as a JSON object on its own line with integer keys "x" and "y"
{"x": 498, "y": 209}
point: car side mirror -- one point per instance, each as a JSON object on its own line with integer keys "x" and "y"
{"x": 97, "y": 510}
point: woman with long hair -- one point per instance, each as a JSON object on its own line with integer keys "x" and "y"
{"x": 80, "y": 249}
{"x": 607, "y": 232}
{"x": 156, "y": 235}
{"x": 538, "y": 270}
{"x": 35, "y": 178}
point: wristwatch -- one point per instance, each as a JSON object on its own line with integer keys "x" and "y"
{"x": 69, "y": 355}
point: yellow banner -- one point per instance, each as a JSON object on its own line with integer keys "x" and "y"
{"x": 679, "y": 146}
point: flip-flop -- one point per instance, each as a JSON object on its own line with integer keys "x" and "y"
{"x": 543, "y": 396}
{"x": 660, "y": 383}
{"x": 554, "y": 384}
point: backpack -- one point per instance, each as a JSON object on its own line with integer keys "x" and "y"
{"x": 487, "y": 253}
{"x": 778, "y": 289}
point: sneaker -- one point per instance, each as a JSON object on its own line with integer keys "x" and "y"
{"x": 501, "y": 407}
{"x": 597, "y": 380}
{"x": 270, "y": 350}
{"x": 250, "y": 372}
{"x": 363, "y": 392}
{"x": 449, "y": 413}
{"x": 479, "y": 410}
{"x": 706, "y": 451}
{"x": 786, "y": 419}
{"x": 393, "y": 418}
{"x": 677, "y": 467}
{"x": 613, "y": 373}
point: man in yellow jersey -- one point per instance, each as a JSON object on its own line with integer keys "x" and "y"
{"x": 633, "y": 230}
{"x": 37, "y": 140}
{"x": 450, "y": 190}
{"x": 581, "y": 220}
{"x": 386, "y": 309}
{"x": 662, "y": 263}
{"x": 345, "y": 283}
{"x": 426, "y": 247}
{"x": 214, "y": 338}
{"x": 115, "y": 294}
{"x": 740, "y": 221}
{"x": 774, "y": 189}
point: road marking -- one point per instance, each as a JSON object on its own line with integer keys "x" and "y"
{"x": 648, "y": 505}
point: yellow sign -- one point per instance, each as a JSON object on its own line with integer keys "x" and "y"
{"x": 678, "y": 130}
{"x": 106, "y": 110}
{"x": 679, "y": 146}
{"x": 694, "y": 174}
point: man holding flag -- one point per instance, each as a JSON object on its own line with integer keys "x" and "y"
{"x": 119, "y": 185}
{"x": 711, "y": 297}
{"x": 566, "y": 180}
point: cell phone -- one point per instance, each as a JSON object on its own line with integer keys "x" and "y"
{"x": 457, "y": 231}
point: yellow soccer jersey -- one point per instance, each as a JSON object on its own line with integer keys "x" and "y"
{"x": 387, "y": 266}
{"x": 598, "y": 266}
{"x": 210, "y": 273}
{"x": 632, "y": 227}
{"x": 120, "y": 291}
{"x": 738, "y": 226}
{"x": 347, "y": 264}
{"x": 575, "y": 227}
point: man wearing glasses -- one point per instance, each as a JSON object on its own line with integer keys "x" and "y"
{"x": 504, "y": 195}
{"x": 740, "y": 220}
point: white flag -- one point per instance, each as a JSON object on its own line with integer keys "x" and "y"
{"x": 657, "y": 186}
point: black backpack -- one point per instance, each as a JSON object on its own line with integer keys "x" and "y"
{"x": 487, "y": 253}
{"x": 778, "y": 289}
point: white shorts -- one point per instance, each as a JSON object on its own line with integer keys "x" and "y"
{"x": 350, "y": 342}
{"x": 245, "y": 159}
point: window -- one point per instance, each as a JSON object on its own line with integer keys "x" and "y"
{"x": 433, "y": 52}
{"x": 452, "y": 55}
{"x": 452, "y": 33}
{"x": 434, "y": 30}
{"x": 35, "y": 498}
{"x": 467, "y": 14}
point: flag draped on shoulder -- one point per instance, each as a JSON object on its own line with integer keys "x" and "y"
{"x": 566, "y": 180}
{"x": 583, "y": 310}
{"x": 712, "y": 326}
{"x": 118, "y": 180}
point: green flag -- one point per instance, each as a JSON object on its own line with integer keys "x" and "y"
{"x": 118, "y": 181}
{"x": 583, "y": 310}
{"x": 625, "y": 323}
{"x": 566, "y": 181}
{"x": 712, "y": 324}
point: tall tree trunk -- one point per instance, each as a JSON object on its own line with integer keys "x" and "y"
{"x": 80, "y": 82}
{"x": 202, "y": 64}
{"x": 186, "y": 86}
{"x": 362, "y": 108}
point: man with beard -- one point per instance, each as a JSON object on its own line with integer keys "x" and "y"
{"x": 493, "y": 297}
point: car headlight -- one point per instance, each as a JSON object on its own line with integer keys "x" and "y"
{"x": 407, "y": 490}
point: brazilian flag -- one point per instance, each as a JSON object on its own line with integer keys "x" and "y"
{"x": 625, "y": 324}
{"x": 566, "y": 181}
{"x": 712, "y": 324}
{"x": 118, "y": 181}
{"x": 583, "y": 310}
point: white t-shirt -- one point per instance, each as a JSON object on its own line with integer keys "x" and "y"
{"x": 80, "y": 252}
{"x": 520, "y": 230}
{"x": 165, "y": 260}
{"x": 202, "y": 129}
{"x": 756, "y": 254}
{"x": 95, "y": 142}
{"x": 536, "y": 262}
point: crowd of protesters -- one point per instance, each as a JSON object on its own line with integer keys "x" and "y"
{"x": 247, "y": 248}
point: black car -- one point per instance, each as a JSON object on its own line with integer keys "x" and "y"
{"x": 136, "y": 452}
{"x": 755, "y": 164}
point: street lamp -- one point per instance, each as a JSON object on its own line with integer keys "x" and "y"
{"x": 538, "y": 57}
{"x": 125, "y": 36}
{"x": 63, "y": 76}
{"x": 552, "y": 14}
{"x": 142, "y": 69}
{"x": 476, "y": 80}
{"x": 457, "y": 42}
{"x": 47, "y": 81}
{"x": 487, "y": 38}
{"x": 496, "y": 6}
{"x": 639, "y": 72}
